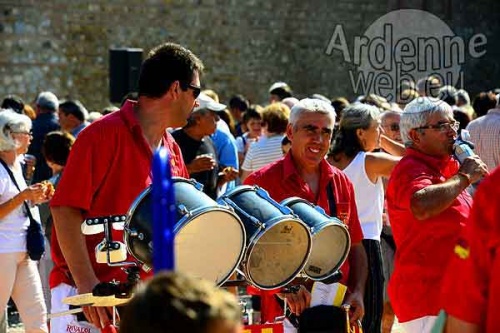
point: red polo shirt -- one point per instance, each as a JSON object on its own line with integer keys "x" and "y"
{"x": 282, "y": 180}
{"x": 471, "y": 286}
{"x": 424, "y": 248}
{"x": 109, "y": 166}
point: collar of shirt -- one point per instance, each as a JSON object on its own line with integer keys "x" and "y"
{"x": 291, "y": 174}
{"x": 446, "y": 165}
{"x": 495, "y": 111}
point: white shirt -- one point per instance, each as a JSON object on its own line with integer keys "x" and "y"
{"x": 263, "y": 152}
{"x": 369, "y": 197}
{"x": 13, "y": 226}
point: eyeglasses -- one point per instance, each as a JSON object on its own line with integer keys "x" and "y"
{"x": 196, "y": 89}
{"x": 393, "y": 127}
{"x": 442, "y": 127}
{"x": 23, "y": 132}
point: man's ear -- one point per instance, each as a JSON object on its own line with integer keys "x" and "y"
{"x": 174, "y": 90}
{"x": 414, "y": 135}
{"x": 289, "y": 132}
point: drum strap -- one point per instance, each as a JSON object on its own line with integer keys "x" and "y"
{"x": 331, "y": 199}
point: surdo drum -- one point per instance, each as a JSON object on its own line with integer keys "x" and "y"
{"x": 278, "y": 243}
{"x": 331, "y": 240}
{"x": 209, "y": 237}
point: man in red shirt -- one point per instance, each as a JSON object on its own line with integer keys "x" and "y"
{"x": 305, "y": 173}
{"x": 427, "y": 205}
{"x": 110, "y": 165}
{"x": 471, "y": 286}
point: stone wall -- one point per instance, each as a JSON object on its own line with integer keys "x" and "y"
{"x": 246, "y": 45}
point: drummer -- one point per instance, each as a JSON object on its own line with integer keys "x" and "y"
{"x": 304, "y": 173}
{"x": 109, "y": 166}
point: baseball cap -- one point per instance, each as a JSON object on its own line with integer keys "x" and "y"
{"x": 206, "y": 102}
{"x": 279, "y": 85}
{"x": 47, "y": 100}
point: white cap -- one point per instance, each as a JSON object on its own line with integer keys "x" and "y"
{"x": 206, "y": 102}
{"x": 277, "y": 85}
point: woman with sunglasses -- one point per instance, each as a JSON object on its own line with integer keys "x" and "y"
{"x": 19, "y": 277}
{"x": 352, "y": 151}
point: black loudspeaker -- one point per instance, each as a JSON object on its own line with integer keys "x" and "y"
{"x": 124, "y": 68}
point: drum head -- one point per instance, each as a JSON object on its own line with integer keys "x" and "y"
{"x": 210, "y": 244}
{"x": 278, "y": 254}
{"x": 329, "y": 251}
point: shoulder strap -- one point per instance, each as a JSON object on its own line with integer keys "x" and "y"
{"x": 11, "y": 175}
{"x": 331, "y": 199}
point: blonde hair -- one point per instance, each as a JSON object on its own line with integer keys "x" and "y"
{"x": 10, "y": 122}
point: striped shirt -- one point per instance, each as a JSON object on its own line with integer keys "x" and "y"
{"x": 485, "y": 134}
{"x": 261, "y": 153}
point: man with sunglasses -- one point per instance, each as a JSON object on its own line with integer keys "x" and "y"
{"x": 427, "y": 205}
{"x": 109, "y": 166}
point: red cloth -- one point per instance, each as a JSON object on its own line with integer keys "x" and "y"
{"x": 109, "y": 166}
{"x": 423, "y": 247}
{"x": 282, "y": 180}
{"x": 471, "y": 286}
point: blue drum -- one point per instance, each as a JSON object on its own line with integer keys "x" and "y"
{"x": 278, "y": 243}
{"x": 331, "y": 240}
{"x": 209, "y": 237}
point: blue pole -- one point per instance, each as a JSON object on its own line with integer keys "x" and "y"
{"x": 164, "y": 217}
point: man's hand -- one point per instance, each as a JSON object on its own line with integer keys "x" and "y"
{"x": 226, "y": 175}
{"x": 100, "y": 317}
{"x": 355, "y": 300}
{"x": 474, "y": 167}
{"x": 297, "y": 302}
{"x": 201, "y": 163}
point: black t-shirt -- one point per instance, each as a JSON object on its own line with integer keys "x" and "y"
{"x": 190, "y": 149}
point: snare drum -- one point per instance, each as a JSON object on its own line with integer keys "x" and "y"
{"x": 278, "y": 243}
{"x": 209, "y": 237}
{"x": 331, "y": 240}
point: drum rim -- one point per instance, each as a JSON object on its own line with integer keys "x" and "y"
{"x": 251, "y": 245}
{"x": 344, "y": 255}
{"x": 239, "y": 189}
{"x": 182, "y": 223}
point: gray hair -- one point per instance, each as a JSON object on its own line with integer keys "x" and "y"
{"x": 311, "y": 105}
{"x": 418, "y": 111}
{"x": 358, "y": 115}
{"x": 10, "y": 122}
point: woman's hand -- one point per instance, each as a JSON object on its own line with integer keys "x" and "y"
{"x": 38, "y": 193}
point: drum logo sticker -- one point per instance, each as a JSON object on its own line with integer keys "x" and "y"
{"x": 287, "y": 229}
{"x": 314, "y": 269}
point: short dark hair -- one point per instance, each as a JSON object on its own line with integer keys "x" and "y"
{"x": 56, "y": 147}
{"x": 483, "y": 102}
{"x": 75, "y": 108}
{"x": 13, "y": 102}
{"x": 174, "y": 303}
{"x": 165, "y": 64}
{"x": 251, "y": 113}
{"x": 238, "y": 102}
{"x": 281, "y": 92}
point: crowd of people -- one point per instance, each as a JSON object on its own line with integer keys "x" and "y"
{"x": 422, "y": 239}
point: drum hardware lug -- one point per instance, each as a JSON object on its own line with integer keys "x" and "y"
{"x": 132, "y": 232}
{"x": 183, "y": 210}
{"x": 140, "y": 236}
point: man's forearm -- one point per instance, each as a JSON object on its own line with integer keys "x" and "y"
{"x": 67, "y": 222}
{"x": 358, "y": 263}
{"x": 434, "y": 199}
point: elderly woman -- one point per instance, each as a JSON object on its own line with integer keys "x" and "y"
{"x": 19, "y": 276}
{"x": 358, "y": 135}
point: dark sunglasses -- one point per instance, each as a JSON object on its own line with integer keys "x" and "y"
{"x": 196, "y": 90}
